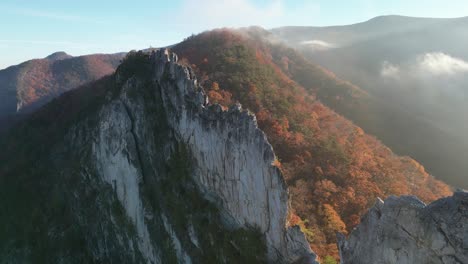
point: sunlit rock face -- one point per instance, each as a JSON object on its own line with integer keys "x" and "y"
{"x": 231, "y": 159}
{"x": 405, "y": 230}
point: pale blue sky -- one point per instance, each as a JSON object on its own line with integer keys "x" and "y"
{"x": 36, "y": 28}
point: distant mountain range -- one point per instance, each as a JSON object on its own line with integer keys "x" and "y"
{"x": 415, "y": 70}
{"x": 29, "y": 85}
{"x": 376, "y": 28}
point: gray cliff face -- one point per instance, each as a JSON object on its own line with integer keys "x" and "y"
{"x": 231, "y": 159}
{"x": 154, "y": 174}
{"x": 405, "y": 230}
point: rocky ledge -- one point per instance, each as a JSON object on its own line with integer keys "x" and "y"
{"x": 405, "y": 230}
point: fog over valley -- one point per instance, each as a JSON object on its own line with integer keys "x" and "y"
{"x": 416, "y": 68}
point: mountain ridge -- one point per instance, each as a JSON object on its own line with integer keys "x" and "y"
{"x": 410, "y": 99}
{"x": 240, "y": 65}
{"x": 317, "y": 148}
{"x": 126, "y": 143}
{"x": 29, "y": 85}
{"x": 149, "y": 148}
{"x": 59, "y": 55}
{"x": 379, "y": 19}
{"x": 106, "y": 152}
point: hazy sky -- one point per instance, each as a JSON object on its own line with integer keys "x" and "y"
{"x": 36, "y": 28}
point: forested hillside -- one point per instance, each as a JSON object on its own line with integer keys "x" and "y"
{"x": 415, "y": 70}
{"x": 335, "y": 171}
{"x": 27, "y": 86}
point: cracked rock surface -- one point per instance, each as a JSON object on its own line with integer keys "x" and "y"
{"x": 151, "y": 173}
{"x": 405, "y": 230}
{"x": 231, "y": 157}
{"x": 233, "y": 160}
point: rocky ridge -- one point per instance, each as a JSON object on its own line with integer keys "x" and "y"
{"x": 153, "y": 174}
{"x": 405, "y": 230}
{"x": 234, "y": 159}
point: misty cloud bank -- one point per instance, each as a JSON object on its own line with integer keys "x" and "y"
{"x": 434, "y": 78}
{"x": 442, "y": 64}
{"x": 390, "y": 70}
{"x": 317, "y": 44}
{"x": 435, "y": 64}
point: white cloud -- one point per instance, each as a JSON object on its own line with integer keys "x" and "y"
{"x": 425, "y": 67}
{"x": 317, "y": 44}
{"x": 439, "y": 63}
{"x": 210, "y": 14}
{"x": 389, "y": 70}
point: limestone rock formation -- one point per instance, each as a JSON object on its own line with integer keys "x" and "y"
{"x": 234, "y": 160}
{"x": 174, "y": 179}
{"x": 405, "y": 230}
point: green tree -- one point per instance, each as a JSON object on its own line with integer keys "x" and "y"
{"x": 329, "y": 260}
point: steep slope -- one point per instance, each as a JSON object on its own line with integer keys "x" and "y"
{"x": 28, "y": 86}
{"x": 405, "y": 230}
{"x": 139, "y": 168}
{"x": 415, "y": 71}
{"x": 334, "y": 170}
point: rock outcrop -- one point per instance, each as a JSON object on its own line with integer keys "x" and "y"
{"x": 174, "y": 179}
{"x": 405, "y": 230}
{"x": 233, "y": 160}
{"x": 230, "y": 156}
